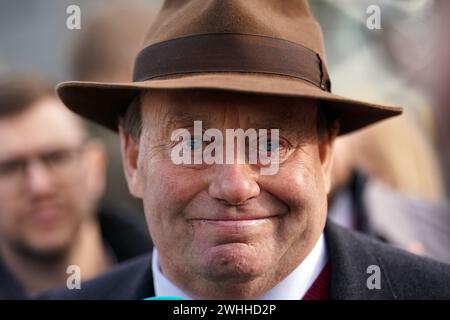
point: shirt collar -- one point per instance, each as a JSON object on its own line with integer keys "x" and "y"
{"x": 293, "y": 287}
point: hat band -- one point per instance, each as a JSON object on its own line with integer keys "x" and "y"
{"x": 231, "y": 52}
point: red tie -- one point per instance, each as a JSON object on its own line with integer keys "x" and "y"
{"x": 320, "y": 289}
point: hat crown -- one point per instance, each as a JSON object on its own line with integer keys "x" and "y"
{"x": 287, "y": 19}
{"x": 255, "y": 46}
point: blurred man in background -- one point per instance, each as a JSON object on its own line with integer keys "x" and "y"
{"x": 52, "y": 177}
{"x": 387, "y": 183}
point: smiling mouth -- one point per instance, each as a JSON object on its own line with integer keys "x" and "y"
{"x": 237, "y": 222}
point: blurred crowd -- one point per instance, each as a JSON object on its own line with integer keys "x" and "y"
{"x": 63, "y": 198}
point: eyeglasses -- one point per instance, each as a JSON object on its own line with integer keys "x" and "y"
{"x": 62, "y": 165}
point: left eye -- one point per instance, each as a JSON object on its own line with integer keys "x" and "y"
{"x": 270, "y": 145}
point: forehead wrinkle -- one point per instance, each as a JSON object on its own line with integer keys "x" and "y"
{"x": 297, "y": 121}
{"x": 182, "y": 119}
{"x": 181, "y": 109}
{"x": 278, "y": 121}
{"x": 275, "y": 112}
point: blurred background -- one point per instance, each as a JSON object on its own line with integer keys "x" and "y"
{"x": 403, "y": 62}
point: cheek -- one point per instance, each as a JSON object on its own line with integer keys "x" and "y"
{"x": 167, "y": 184}
{"x": 300, "y": 185}
{"x": 9, "y": 218}
{"x": 295, "y": 184}
{"x": 14, "y": 218}
{"x": 167, "y": 191}
{"x": 69, "y": 198}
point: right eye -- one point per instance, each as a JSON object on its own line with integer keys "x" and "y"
{"x": 193, "y": 143}
{"x": 11, "y": 167}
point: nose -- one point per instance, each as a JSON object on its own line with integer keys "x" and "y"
{"x": 234, "y": 184}
{"x": 39, "y": 180}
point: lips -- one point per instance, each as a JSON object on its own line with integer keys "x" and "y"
{"x": 219, "y": 232}
{"x": 45, "y": 216}
{"x": 235, "y": 222}
{"x": 235, "y": 213}
{"x": 232, "y": 225}
{"x": 254, "y": 217}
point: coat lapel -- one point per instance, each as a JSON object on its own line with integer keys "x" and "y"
{"x": 350, "y": 256}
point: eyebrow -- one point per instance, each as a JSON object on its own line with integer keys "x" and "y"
{"x": 286, "y": 124}
{"x": 181, "y": 119}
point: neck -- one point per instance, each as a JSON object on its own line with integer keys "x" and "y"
{"x": 36, "y": 275}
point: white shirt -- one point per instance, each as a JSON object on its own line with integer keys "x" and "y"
{"x": 293, "y": 287}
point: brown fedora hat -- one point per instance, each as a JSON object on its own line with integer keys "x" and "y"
{"x": 264, "y": 47}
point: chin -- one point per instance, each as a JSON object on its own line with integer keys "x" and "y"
{"x": 53, "y": 245}
{"x": 234, "y": 262}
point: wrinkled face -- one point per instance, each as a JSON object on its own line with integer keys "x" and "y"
{"x": 45, "y": 188}
{"x": 228, "y": 222}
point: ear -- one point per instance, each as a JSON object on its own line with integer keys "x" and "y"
{"x": 130, "y": 155}
{"x": 326, "y": 144}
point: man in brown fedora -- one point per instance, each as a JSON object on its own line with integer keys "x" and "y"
{"x": 226, "y": 230}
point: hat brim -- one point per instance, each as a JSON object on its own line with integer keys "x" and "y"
{"x": 103, "y": 102}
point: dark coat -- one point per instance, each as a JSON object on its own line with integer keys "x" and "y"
{"x": 403, "y": 275}
{"x": 124, "y": 236}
